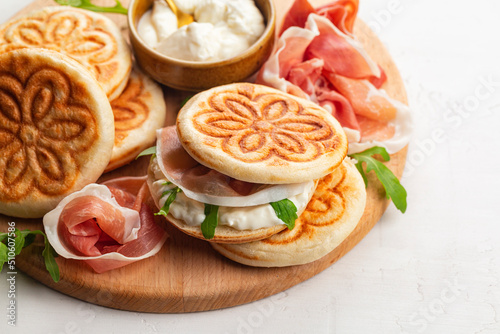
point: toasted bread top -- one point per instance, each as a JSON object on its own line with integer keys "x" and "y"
{"x": 90, "y": 38}
{"x": 56, "y": 130}
{"x": 258, "y": 134}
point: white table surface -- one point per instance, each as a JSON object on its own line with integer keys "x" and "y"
{"x": 435, "y": 269}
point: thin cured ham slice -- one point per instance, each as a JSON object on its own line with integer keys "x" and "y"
{"x": 107, "y": 226}
{"x": 290, "y": 52}
{"x": 85, "y": 219}
{"x": 365, "y": 99}
{"x": 209, "y": 186}
{"x": 341, "y": 13}
{"x": 318, "y": 58}
{"x": 334, "y": 43}
{"x": 149, "y": 241}
{"x": 301, "y": 10}
{"x": 336, "y": 104}
{"x": 306, "y": 75}
{"x": 342, "y": 54}
{"x": 375, "y": 130}
{"x": 129, "y": 192}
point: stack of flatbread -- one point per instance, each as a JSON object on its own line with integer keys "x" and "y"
{"x": 72, "y": 106}
{"x": 237, "y": 159}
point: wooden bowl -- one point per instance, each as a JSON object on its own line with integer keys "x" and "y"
{"x": 198, "y": 76}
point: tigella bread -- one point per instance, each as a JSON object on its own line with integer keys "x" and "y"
{"x": 243, "y": 210}
{"x": 90, "y": 38}
{"x": 243, "y": 163}
{"x": 332, "y": 214}
{"x": 138, "y": 112}
{"x": 258, "y": 134}
{"x": 56, "y": 130}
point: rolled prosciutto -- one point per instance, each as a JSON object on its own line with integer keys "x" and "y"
{"x": 105, "y": 225}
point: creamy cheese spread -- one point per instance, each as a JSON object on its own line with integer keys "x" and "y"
{"x": 241, "y": 218}
{"x": 222, "y": 29}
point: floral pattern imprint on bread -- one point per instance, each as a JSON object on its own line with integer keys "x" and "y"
{"x": 255, "y": 128}
{"x": 325, "y": 208}
{"x": 73, "y": 33}
{"x": 42, "y": 128}
{"x": 129, "y": 109}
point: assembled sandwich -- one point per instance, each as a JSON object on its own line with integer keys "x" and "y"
{"x": 243, "y": 162}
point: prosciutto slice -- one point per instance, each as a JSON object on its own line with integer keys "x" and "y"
{"x": 341, "y": 53}
{"x": 318, "y": 58}
{"x": 107, "y": 226}
{"x": 341, "y": 13}
{"x": 209, "y": 186}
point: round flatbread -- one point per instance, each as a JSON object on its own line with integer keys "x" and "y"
{"x": 332, "y": 214}
{"x": 258, "y": 134}
{"x": 90, "y": 38}
{"x": 139, "y": 111}
{"x": 56, "y": 130}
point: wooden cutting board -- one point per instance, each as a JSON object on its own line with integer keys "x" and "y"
{"x": 187, "y": 275}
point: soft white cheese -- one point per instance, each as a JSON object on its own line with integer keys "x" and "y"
{"x": 222, "y": 29}
{"x": 240, "y": 218}
{"x": 146, "y": 29}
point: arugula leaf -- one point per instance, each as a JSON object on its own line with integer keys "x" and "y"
{"x": 3, "y": 254}
{"x": 392, "y": 186}
{"x": 86, "y": 4}
{"x": 18, "y": 242}
{"x": 23, "y": 239}
{"x": 211, "y": 221}
{"x": 28, "y": 238}
{"x": 286, "y": 211}
{"x": 186, "y": 100}
{"x": 172, "y": 194}
{"x": 148, "y": 151}
{"x": 50, "y": 261}
{"x": 48, "y": 256}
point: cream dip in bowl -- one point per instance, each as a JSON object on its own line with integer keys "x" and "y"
{"x": 222, "y": 29}
{"x": 228, "y": 42}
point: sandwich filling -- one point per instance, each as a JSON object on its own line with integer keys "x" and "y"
{"x": 209, "y": 186}
{"x": 192, "y": 212}
{"x": 201, "y": 196}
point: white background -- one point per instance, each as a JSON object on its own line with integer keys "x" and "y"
{"x": 435, "y": 269}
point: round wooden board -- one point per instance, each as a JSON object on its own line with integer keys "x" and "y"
{"x": 175, "y": 280}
